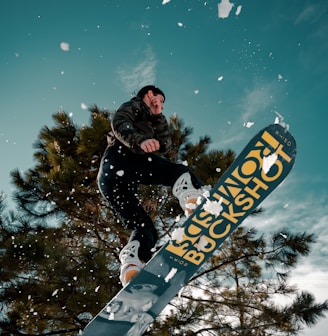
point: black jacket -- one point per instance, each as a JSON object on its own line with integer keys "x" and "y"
{"x": 133, "y": 123}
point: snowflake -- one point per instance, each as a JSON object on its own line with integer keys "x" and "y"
{"x": 178, "y": 234}
{"x": 268, "y": 162}
{"x": 120, "y": 172}
{"x": 213, "y": 207}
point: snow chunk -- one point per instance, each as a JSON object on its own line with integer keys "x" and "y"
{"x": 64, "y": 46}
{"x": 170, "y": 275}
{"x": 238, "y": 10}
{"x": 249, "y": 124}
{"x": 224, "y": 9}
{"x": 192, "y": 206}
{"x": 55, "y": 292}
{"x": 268, "y": 162}
{"x": 111, "y": 316}
{"x": 180, "y": 24}
{"x": 202, "y": 243}
{"x": 280, "y": 120}
{"x": 120, "y": 172}
{"x": 220, "y": 78}
{"x": 178, "y": 234}
{"x": 213, "y": 207}
{"x": 84, "y": 106}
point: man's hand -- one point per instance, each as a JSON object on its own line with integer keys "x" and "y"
{"x": 156, "y": 104}
{"x": 150, "y": 145}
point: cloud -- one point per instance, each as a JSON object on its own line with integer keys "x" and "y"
{"x": 143, "y": 73}
{"x": 256, "y": 101}
{"x": 299, "y": 212}
{"x": 250, "y": 107}
{"x": 311, "y": 13}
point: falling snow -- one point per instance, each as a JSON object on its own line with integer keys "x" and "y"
{"x": 120, "y": 172}
{"x": 238, "y": 10}
{"x": 191, "y": 206}
{"x": 224, "y": 8}
{"x": 202, "y": 243}
{"x": 280, "y": 120}
{"x": 64, "y": 46}
{"x": 84, "y": 106}
{"x": 178, "y": 234}
{"x": 55, "y": 292}
{"x": 170, "y": 275}
{"x": 248, "y": 124}
{"x": 268, "y": 162}
{"x": 213, "y": 207}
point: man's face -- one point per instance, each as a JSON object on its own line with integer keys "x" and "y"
{"x": 155, "y": 101}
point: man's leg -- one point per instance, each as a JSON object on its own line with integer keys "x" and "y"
{"x": 122, "y": 196}
{"x": 118, "y": 178}
{"x": 185, "y": 191}
{"x": 185, "y": 185}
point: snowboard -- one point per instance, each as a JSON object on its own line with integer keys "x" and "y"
{"x": 261, "y": 166}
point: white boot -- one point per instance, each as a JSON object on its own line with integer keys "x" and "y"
{"x": 186, "y": 193}
{"x": 131, "y": 264}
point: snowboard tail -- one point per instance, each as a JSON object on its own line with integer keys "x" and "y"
{"x": 256, "y": 172}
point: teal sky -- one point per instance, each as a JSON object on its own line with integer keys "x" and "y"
{"x": 225, "y": 77}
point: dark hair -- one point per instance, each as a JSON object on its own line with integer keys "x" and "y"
{"x": 153, "y": 88}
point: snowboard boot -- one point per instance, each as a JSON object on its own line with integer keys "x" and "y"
{"x": 131, "y": 264}
{"x": 186, "y": 193}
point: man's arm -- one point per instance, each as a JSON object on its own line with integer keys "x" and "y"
{"x": 124, "y": 130}
{"x": 162, "y": 133}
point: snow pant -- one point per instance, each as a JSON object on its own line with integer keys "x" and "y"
{"x": 120, "y": 173}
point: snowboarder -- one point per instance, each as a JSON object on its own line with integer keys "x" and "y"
{"x": 139, "y": 136}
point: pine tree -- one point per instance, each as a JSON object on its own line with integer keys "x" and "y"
{"x": 236, "y": 292}
{"x": 59, "y": 250}
{"x": 60, "y": 255}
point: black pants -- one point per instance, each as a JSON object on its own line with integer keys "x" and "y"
{"x": 119, "y": 175}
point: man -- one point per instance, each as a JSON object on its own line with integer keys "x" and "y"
{"x": 139, "y": 136}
